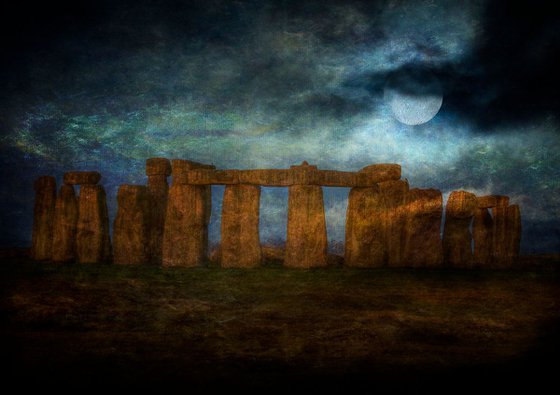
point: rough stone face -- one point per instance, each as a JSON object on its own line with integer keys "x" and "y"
{"x": 82, "y": 177}
{"x": 483, "y": 237}
{"x": 182, "y": 167}
{"x": 65, "y": 225}
{"x": 395, "y": 196}
{"x": 240, "y": 245}
{"x": 157, "y": 170}
{"x": 158, "y": 167}
{"x": 365, "y": 230}
{"x": 384, "y": 171}
{"x": 185, "y": 235}
{"x": 306, "y": 244}
{"x": 131, "y": 228}
{"x": 422, "y": 242}
{"x": 93, "y": 243}
{"x": 513, "y": 221}
{"x": 43, "y": 218}
{"x": 460, "y": 209}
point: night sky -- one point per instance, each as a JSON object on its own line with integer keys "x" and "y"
{"x": 267, "y": 84}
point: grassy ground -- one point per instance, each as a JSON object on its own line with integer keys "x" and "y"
{"x": 78, "y": 327}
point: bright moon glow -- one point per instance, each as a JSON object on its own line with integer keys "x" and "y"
{"x": 415, "y": 96}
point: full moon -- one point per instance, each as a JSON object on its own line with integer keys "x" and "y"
{"x": 415, "y": 96}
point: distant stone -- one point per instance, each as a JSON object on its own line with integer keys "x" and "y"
{"x": 365, "y": 228}
{"x": 422, "y": 244}
{"x": 459, "y": 211}
{"x": 158, "y": 166}
{"x": 93, "y": 243}
{"x": 65, "y": 225}
{"x": 240, "y": 243}
{"x": 131, "y": 228}
{"x": 43, "y": 218}
{"x": 306, "y": 244}
{"x": 185, "y": 235}
{"x": 82, "y": 177}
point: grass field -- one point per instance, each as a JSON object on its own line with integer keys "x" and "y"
{"x": 77, "y": 327}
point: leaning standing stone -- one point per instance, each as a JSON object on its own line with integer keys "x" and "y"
{"x": 93, "y": 244}
{"x": 131, "y": 229}
{"x": 43, "y": 218}
{"x": 65, "y": 225}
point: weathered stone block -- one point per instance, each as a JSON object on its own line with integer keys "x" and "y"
{"x": 491, "y": 201}
{"x": 513, "y": 221}
{"x": 422, "y": 242}
{"x": 43, "y": 218}
{"x": 131, "y": 228}
{"x": 383, "y": 171}
{"x": 306, "y": 244}
{"x": 394, "y": 195}
{"x": 185, "y": 235}
{"x": 65, "y": 225}
{"x": 93, "y": 243}
{"x": 365, "y": 228}
{"x": 240, "y": 244}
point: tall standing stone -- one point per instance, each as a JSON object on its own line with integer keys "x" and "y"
{"x": 500, "y": 245}
{"x": 131, "y": 228}
{"x": 185, "y": 235}
{"x": 65, "y": 225}
{"x": 513, "y": 221}
{"x": 157, "y": 170}
{"x": 395, "y": 196}
{"x": 306, "y": 241}
{"x": 365, "y": 236}
{"x": 459, "y": 211}
{"x": 43, "y": 218}
{"x": 422, "y": 245}
{"x": 93, "y": 243}
{"x": 483, "y": 237}
{"x": 240, "y": 244}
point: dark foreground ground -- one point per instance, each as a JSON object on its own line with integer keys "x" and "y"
{"x": 78, "y": 328}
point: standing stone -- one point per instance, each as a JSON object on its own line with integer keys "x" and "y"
{"x": 306, "y": 244}
{"x": 157, "y": 170}
{"x": 65, "y": 225}
{"x": 364, "y": 245}
{"x": 240, "y": 244}
{"x": 460, "y": 209}
{"x": 500, "y": 247}
{"x": 422, "y": 242}
{"x": 185, "y": 235}
{"x": 43, "y": 218}
{"x": 93, "y": 243}
{"x": 513, "y": 221}
{"x": 394, "y": 195}
{"x": 131, "y": 228}
{"x": 483, "y": 237}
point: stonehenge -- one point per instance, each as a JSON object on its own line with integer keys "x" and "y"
{"x": 388, "y": 224}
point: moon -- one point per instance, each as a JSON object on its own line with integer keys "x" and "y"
{"x": 414, "y": 95}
